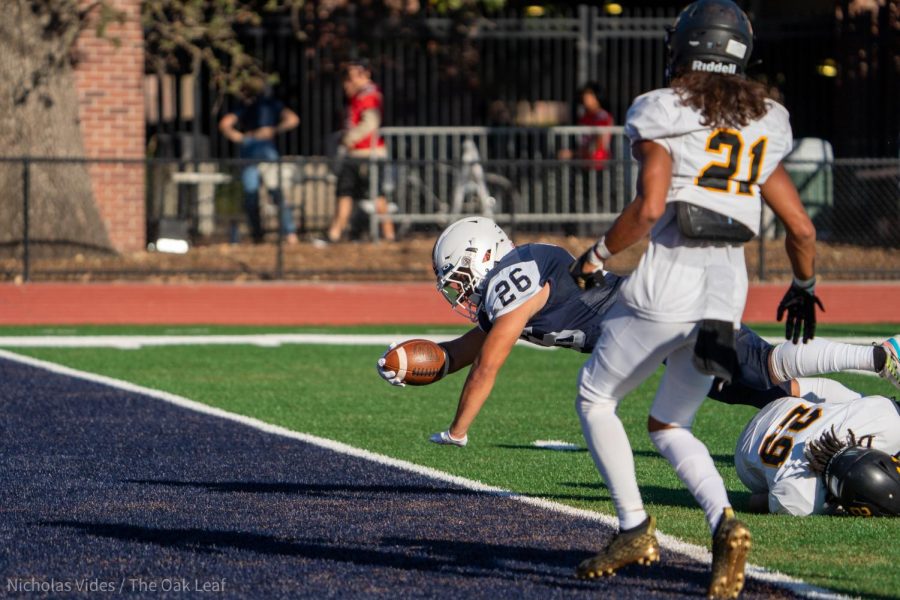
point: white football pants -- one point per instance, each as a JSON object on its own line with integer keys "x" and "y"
{"x": 627, "y": 353}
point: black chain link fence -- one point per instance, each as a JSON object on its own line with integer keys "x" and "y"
{"x": 196, "y": 224}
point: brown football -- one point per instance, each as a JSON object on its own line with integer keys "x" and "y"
{"x": 416, "y": 362}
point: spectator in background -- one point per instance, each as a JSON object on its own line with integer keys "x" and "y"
{"x": 593, "y": 151}
{"x": 360, "y": 142}
{"x": 253, "y": 125}
{"x": 591, "y": 113}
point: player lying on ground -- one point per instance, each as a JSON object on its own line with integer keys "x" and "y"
{"x": 527, "y": 293}
{"x": 793, "y": 454}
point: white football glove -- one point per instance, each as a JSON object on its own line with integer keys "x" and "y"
{"x": 444, "y": 438}
{"x": 389, "y": 376}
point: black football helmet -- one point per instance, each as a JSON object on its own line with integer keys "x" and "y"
{"x": 865, "y": 481}
{"x": 709, "y": 35}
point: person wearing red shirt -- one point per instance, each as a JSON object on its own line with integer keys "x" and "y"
{"x": 592, "y": 152}
{"x": 360, "y": 143}
{"x": 594, "y": 147}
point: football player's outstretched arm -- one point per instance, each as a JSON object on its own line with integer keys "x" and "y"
{"x": 638, "y": 218}
{"x": 462, "y": 351}
{"x": 497, "y": 345}
{"x": 459, "y": 352}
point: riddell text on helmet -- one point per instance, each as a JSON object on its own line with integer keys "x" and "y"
{"x": 714, "y": 67}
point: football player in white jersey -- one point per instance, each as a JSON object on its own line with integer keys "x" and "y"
{"x": 774, "y": 452}
{"x": 709, "y": 147}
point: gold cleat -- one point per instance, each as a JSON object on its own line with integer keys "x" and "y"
{"x": 635, "y": 546}
{"x": 731, "y": 545}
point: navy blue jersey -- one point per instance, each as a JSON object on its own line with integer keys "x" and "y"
{"x": 572, "y": 318}
{"x": 264, "y": 111}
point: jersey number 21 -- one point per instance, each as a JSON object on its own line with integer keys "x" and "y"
{"x": 720, "y": 176}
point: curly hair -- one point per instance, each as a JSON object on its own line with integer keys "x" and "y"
{"x": 722, "y": 100}
{"x": 820, "y": 452}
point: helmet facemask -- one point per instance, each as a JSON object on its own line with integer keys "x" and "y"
{"x": 461, "y": 287}
{"x": 462, "y": 257}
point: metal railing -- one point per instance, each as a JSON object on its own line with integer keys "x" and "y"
{"x": 855, "y": 204}
{"x": 513, "y": 174}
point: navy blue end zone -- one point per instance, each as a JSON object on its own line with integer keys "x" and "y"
{"x": 106, "y": 487}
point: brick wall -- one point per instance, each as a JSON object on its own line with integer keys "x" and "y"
{"x": 110, "y": 80}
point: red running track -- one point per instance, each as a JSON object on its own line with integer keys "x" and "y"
{"x": 340, "y": 304}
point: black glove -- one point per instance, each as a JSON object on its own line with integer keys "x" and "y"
{"x": 586, "y": 281}
{"x": 800, "y": 304}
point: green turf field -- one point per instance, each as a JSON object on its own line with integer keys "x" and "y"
{"x": 334, "y": 392}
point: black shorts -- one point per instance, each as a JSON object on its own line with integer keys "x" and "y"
{"x": 753, "y": 359}
{"x": 353, "y": 178}
{"x": 751, "y": 384}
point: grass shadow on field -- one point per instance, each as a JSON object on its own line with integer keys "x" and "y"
{"x": 719, "y": 459}
{"x": 651, "y": 494}
{"x": 530, "y": 447}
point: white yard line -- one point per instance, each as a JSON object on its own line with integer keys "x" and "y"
{"x": 668, "y": 542}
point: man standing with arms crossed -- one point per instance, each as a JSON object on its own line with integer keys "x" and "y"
{"x": 253, "y": 127}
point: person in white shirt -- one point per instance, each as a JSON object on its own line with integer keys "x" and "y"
{"x": 710, "y": 148}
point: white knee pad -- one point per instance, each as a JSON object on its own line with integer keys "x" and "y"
{"x": 590, "y": 398}
{"x": 585, "y": 404}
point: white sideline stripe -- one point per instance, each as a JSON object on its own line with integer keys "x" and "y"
{"x": 668, "y": 542}
{"x": 264, "y": 340}
{"x": 267, "y": 340}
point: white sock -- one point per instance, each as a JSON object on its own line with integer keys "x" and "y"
{"x": 609, "y": 446}
{"x": 821, "y": 389}
{"x": 695, "y": 468}
{"x": 817, "y": 357}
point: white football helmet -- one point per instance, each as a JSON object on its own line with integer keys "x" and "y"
{"x": 462, "y": 257}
